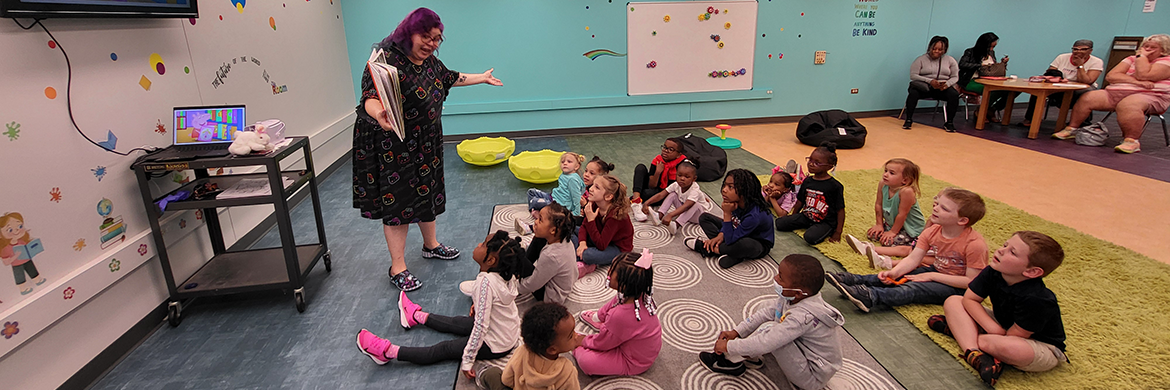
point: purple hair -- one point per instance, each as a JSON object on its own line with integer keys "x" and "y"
{"x": 419, "y": 21}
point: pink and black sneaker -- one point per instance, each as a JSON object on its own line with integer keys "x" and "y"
{"x": 373, "y": 346}
{"x": 406, "y": 310}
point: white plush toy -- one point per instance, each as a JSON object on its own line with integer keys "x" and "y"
{"x": 247, "y": 142}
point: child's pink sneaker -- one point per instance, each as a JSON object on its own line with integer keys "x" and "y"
{"x": 589, "y": 317}
{"x": 373, "y": 346}
{"x": 406, "y": 310}
{"x": 584, "y": 269}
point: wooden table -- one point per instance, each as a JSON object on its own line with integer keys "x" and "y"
{"x": 1040, "y": 90}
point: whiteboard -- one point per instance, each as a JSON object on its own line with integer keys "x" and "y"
{"x": 682, "y": 50}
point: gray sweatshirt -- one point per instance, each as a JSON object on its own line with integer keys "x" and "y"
{"x": 556, "y": 269}
{"x": 944, "y": 68}
{"x": 811, "y": 325}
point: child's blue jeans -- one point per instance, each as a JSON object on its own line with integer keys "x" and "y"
{"x": 537, "y": 199}
{"x": 931, "y": 293}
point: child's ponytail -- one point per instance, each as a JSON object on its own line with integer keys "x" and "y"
{"x": 605, "y": 167}
{"x": 561, "y": 220}
{"x": 511, "y": 259}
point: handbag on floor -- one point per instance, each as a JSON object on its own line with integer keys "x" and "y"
{"x": 1093, "y": 135}
{"x": 831, "y": 125}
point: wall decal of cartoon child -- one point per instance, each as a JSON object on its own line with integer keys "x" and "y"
{"x": 17, "y": 249}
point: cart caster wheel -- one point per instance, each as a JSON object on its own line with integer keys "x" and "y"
{"x": 299, "y": 296}
{"x": 174, "y": 315}
{"x": 328, "y": 261}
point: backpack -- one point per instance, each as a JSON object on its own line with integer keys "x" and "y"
{"x": 831, "y": 125}
{"x": 712, "y": 160}
{"x": 1093, "y": 135}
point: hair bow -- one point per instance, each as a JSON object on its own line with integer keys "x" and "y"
{"x": 644, "y": 261}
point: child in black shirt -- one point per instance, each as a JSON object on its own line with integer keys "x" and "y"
{"x": 821, "y": 200}
{"x": 1025, "y": 329}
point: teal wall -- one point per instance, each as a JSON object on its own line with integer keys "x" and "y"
{"x": 536, "y": 47}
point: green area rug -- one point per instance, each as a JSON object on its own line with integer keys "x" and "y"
{"x": 1112, "y": 299}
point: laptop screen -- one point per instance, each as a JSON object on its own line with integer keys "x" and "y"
{"x": 208, "y": 124}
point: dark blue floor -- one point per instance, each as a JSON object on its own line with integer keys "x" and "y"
{"x": 260, "y": 341}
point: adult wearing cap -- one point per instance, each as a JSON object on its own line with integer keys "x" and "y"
{"x": 1079, "y": 66}
{"x": 400, "y": 181}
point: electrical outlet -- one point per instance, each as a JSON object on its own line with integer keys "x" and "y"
{"x": 853, "y": 91}
{"x": 819, "y": 58}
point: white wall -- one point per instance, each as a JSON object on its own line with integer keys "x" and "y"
{"x": 305, "y": 53}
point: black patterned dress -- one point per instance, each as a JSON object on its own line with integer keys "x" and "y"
{"x": 401, "y": 181}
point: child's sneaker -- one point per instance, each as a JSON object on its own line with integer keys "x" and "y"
{"x": 877, "y": 261}
{"x": 584, "y": 269}
{"x": 757, "y": 363}
{"x": 522, "y": 228}
{"x": 655, "y": 217}
{"x": 672, "y": 227}
{"x": 988, "y": 367}
{"x": 720, "y": 365}
{"x": 442, "y": 251}
{"x": 638, "y": 214}
{"x": 938, "y": 323}
{"x": 1129, "y": 145}
{"x": 842, "y": 279}
{"x": 406, "y": 310}
{"x": 791, "y": 167}
{"x": 589, "y": 317}
{"x": 373, "y": 346}
{"x": 467, "y": 287}
{"x": 860, "y": 295}
{"x": 858, "y": 246}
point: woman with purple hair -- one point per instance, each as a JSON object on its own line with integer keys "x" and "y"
{"x": 400, "y": 182}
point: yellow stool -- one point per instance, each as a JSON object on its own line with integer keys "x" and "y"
{"x": 484, "y": 151}
{"x": 536, "y": 167}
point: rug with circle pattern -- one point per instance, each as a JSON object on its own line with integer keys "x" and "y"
{"x": 696, "y": 300}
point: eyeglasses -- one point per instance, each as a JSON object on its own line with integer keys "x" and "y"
{"x": 812, "y": 163}
{"x": 428, "y": 39}
{"x": 668, "y": 148}
{"x": 1082, "y": 49}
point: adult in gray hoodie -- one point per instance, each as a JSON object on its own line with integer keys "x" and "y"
{"x": 799, "y": 329}
{"x": 933, "y": 76}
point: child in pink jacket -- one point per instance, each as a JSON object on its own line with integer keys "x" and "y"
{"x": 630, "y": 335}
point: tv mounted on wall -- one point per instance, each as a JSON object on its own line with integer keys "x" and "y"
{"x": 98, "y": 9}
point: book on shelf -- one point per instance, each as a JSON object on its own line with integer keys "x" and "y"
{"x": 385, "y": 79}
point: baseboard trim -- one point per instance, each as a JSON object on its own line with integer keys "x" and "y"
{"x": 650, "y": 127}
{"x": 100, "y": 365}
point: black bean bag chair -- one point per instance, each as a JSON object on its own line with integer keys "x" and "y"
{"x": 831, "y": 125}
{"x": 712, "y": 160}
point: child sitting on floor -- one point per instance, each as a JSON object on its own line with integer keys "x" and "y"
{"x": 899, "y": 220}
{"x": 492, "y": 330}
{"x": 1025, "y": 329}
{"x": 607, "y": 230}
{"x": 555, "y": 262}
{"x": 569, "y": 187}
{"x": 745, "y": 230}
{"x": 685, "y": 198}
{"x": 821, "y": 200}
{"x": 799, "y": 330}
{"x": 548, "y": 331}
{"x": 947, "y": 256}
{"x": 596, "y": 167}
{"x": 780, "y": 192}
{"x": 629, "y": 335}
{"x": 662, "y": 172}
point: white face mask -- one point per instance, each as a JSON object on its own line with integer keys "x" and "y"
{"x": 780, "y": 291}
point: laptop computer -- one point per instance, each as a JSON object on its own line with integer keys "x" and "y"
{"x": 204, "y": 131}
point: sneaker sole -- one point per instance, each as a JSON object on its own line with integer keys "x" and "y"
{"x": 519, "y": 226}
{"x": 653, "y": 216}
{"x": 855, "y": 301}
{"x": 732, "y": 373}
{"x": 1120, "y": 150}
{"x": 429, "y": 255}
{"x": 672, "y": 227}
{"x": 854, "y": 243}
{"x": 753, "y": 365}
{"x": 836, "y": 284}
{"x": 402, "y": 312}
{"x": 587, "y": 322}
{"x": 358, "y": 341}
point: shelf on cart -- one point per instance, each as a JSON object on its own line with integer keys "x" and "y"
{"x": 299, "y": 177}
{"x": 250, "y": 270}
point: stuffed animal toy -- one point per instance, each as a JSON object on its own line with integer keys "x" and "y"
{"x": 248, "y": 142}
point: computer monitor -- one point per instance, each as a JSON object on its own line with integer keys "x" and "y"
{"x": 208, "y": 124}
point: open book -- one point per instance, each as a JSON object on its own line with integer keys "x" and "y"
{"x": 386, "y": 82}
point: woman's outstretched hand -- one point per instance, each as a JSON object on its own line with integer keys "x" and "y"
{"x": 488, "y": 78}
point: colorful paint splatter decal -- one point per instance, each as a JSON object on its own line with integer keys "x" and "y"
{"x": 79, "y": 245}
{"x": 99, "y": 172}
{"x": 159, "y": 128}
{"x": 13, "y": 131}
{"x": 55, "y": 195}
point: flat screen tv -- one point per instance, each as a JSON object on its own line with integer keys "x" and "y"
{"x": 98, "y": 9}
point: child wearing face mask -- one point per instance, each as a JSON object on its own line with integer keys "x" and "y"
{"x": 799, "y": 330}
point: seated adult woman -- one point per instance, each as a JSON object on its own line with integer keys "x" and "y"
{"x": 934, "y": 75}
{"x": 979, "y": 61}
{"x": 1139, "y": 85}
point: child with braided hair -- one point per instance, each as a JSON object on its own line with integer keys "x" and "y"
{"x": 629, "y": 334}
